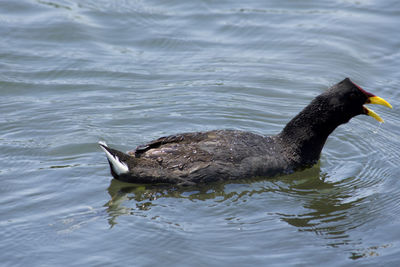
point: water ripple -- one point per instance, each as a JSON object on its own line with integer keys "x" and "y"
{"x": 75, "y": 72}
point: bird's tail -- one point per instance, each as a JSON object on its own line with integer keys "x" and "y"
{"x": 117, "y": 160}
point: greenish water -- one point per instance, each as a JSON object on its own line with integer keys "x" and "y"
{"x": 75, "y": 72}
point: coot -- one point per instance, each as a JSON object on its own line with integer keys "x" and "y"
{"x": 201, "y": 157}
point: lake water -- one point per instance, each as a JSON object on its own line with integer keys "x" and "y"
{"x": 74, "y": 72}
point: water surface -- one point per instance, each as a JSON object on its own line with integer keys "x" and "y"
{"x": 76, "y": 72}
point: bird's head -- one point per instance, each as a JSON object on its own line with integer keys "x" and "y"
{"x": 347, "y": 100}
{"x": 308, "y": 131}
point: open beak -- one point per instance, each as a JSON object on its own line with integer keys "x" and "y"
{"x": 375, "y": 100}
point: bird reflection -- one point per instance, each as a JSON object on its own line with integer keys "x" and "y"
{"x": 325, "y": 206}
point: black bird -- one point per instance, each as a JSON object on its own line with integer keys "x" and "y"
{"x": 200, "y": 157}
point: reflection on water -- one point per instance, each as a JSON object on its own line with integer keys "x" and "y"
{"x": 328, "y": 209}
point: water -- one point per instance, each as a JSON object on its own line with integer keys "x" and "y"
{"x": 76, "y": 72}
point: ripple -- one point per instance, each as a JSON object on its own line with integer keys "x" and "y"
{"x": 75, "y": 72}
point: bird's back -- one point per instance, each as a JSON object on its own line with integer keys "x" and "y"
{"x": 205, "y": 156}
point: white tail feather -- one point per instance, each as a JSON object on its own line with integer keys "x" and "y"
{"x": 118, "y": 166}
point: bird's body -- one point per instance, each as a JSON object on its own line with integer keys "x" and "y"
{"x": 190, "y": 158}
{"x": 201, "y": 157}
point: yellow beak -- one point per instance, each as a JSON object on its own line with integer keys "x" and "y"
{"x": 379, "y": 101}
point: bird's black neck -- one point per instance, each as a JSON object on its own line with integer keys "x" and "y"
{"x": 305, "y": 135}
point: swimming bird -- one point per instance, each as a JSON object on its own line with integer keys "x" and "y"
{"x": 220, "y": 155}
